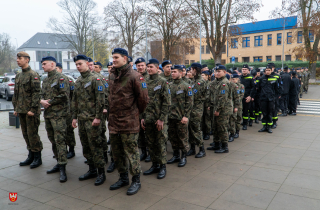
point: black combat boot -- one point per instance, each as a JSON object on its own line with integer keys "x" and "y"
{"x": 92, "y": 173}
{"x": 202, "y": 152}
{"x": 256, "y": 120}
{"x": 300, "y": 95}
{"x": 63, "y": 175}
{"x": 175, "y": 158}
{"x": 293, "y": 114}
{"x": 212, "y": 144}
{"x": 163, "y": 171}
{"x": 183, "y": 159}
{"x": 236, "y": 135}
{"x": 111, "y": 167}
{"x": 148, "y": 158}
{"x": 206, "y": 137}
{"x": 55, "y": 169}
{"x": 143, "y": 155}
{"x": 250, "y": 122}
{"x": 274, "y": 125}
{"x": 244, "y": 127}
{"x": 71, "y": 153}
{"x": 105, "y": 157}
{"x": 231, "y": 138}
{"x": 259, "y": 117}
{"x": 135, "y": 185}
{"x": 101, "y": 177}
{"x": 154, "y": 169}
{"x": 283, "y": 114}
{"x": 37, "y": 161}
{"x": 224, "y": 148}
{"x": 263, "y": 129}
{"x": 192, "y": 150}
{"x": 123, "y": 181}
{"x": 269, "y": 129}
{"x": 29, "y": 159}
{"x": 216, "y": 146}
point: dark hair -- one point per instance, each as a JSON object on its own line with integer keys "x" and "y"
{"x": 197, "y": 69}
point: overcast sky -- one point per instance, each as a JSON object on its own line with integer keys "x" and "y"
{"x": 21, "y": 19}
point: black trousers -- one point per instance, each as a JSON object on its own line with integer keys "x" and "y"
{"x": 293, "y": 99}
{"x": 276, "y": 109}
{"x": 257, "y": 109}
{"x": 246, "y": 108}
{"x": 284, "y": 102}
{"x": 267, "y": 108}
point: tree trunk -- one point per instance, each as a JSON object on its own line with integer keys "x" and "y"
{"x": 313, "y": 70}
{"x": 217, "y": 59}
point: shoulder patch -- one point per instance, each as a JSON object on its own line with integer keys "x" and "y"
{"x": 71, "y": 87}
{"x": 100, "y": 88}
{"x": 61, "y": 79}
{"x": 223, "y": 91}
{"x": 62, "y": 85}
{"x": 36, "y": 78}
{"x": 169, "y": 91}
{"x": 98, "y": 79}
{"x": 189, "y": 93}
{"x": 199, "y": 83}
{"x": 144, "y": 85}
{"x": 141, "y": 78}
{"x": 70, "y": 80}
{"x": 224, "y": 85}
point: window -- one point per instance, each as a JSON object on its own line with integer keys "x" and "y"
{"x": 235, "y": 59}
{"x": 186, "y": 62}
{"x": 192, "y": 61}
{"x": 68, "y": 65}
{"x": 207, "y": 49}
{"x": 311, "y": 36}
{"x": 257, "y": 41}
{"x": 268, "y": 58}
{"x": 288, "y": 57}
{"x": 279, "y": 38}
{"x": 234, "y": 43}
{"x": 289, "y": 37}
{"x": 192, "y": 50}
{"x": 246, "y": 42}
{"x": 299, "y": 37}
{"x": 245, "y": 59}
{"x": 278, "y": 57}
{"x": 202, "y": 49}
{"x": 269, "y": 39}
{"x": 223, "y": 62}
{"x": 257, "y": 59}
{"x": 223, "y": 49}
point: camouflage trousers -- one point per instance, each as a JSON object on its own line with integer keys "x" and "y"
{"x": 103, "y": 136}
{"x": 195, "y": 133}
{"x": 157, "y": 143}
{"x": 206, "y": 121}
{"x": 142, "y": 141}
{"x": 70, "y": 139}
{"x": 57, "y": 132}
{"x": 232, "y": 123}
{"x": 238, "y": 120}
{"x": 178, "y": 135}
{"x": 91, "y": 143}
{"x": 29, "y": 128}
{"x": 220, "y": 131}
{"x": 125, "y": 146}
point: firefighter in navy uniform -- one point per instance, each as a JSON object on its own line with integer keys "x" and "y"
{"x": 284, "y": 100}
{"x": 276, "y": 104}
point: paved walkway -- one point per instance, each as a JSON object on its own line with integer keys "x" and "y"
{"x": 262, "y": 171}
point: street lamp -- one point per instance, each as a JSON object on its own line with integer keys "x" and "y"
{"x": 284, "y": 28}
{"x": 200, "y": 29}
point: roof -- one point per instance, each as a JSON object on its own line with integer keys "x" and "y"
{"x": 265, "y": 26}
{"x": 47, "y": 41}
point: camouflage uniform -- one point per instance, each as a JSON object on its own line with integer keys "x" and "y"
{"x": 27, "y": 98}
{"x": 235, "y": 90}
{"x": 206, "y": 118}
{"x": 181, "y": 105}
{"x": 168, "y": 78}
{"x": 239, "y": 113}
{"x": 70, "y": 138}
{"x": 301, "y": 76}
{"x": 87, "y": 105}
{"x": 199, "y": 94}
{"x": 157, "y": 109}
{"x": 55, "y": 88}
{"x": 307, "y": 80}
{"x": 186, "y": 80}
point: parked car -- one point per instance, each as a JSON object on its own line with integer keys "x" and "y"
{"x": 7, "y": 87}
{"x": 1, "y": 79}
{"x": 75, "y": 75}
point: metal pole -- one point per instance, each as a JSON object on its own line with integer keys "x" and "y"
{"x": 284, "y": 26}
{"x": 200, "y": 28}
{"x": 146, "y": 34}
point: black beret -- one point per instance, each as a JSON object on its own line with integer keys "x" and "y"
{"x": 229, "y": 71}
{"x": 90, "y": 59}
{"x": 109, "y": 64}
{"x": 254, "y": 73}
{"x": 179, "y": 67}
{"x": 166, "y": 62}
{"x": 272, "y": 64}
{"x": 298, "y": 69}
{"x": 196, "y": 65}
{"x": 98, "y": 63}
{"x": 59, "y": 65}
{"x": 205, "y": 72}
{"x": 293, "y": 73}
{"x": 235, "y": 75}
{"x": 188, "y": 69}
{"x": 221, "y": 67}
{"x": 153, "y": 61}
{"x": 49, "y": 58}
{"x": 140, "y": 60}
{"x": 286, "y": 67}
{"x": 228, "y": 76}
{"x": 80, "y": 57}
{"x": 130, "y": 59}
{"x": 120, "y": 51}
{"x": 245, "y": 66}
{"x": 234, "y": 68}
{"x": 269, "y": 67}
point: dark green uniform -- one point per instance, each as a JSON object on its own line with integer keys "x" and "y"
{"x": 206, "y": 118}
{"x": 168, "y": 78}
{"x": 142, "y": 141}
{"x": 70, "y": 139}
{"x": 186, "y": 80}
{"x": 239, "y": 113}
{"x": 235, "y": 91}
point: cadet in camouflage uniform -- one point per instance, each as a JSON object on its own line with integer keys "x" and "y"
{"x": 179, "y": 115}
{"x": 299, "y": 73}
{"x": 221, "y": 103}
{"x": 199, "y": 95}
{"x": 184, "y": 74}
{"x": 236, "y": 80}
{"x": 235, "y": 91}
{"x": 26, "y": 104}
{"x": 206, "y": 118}
{"x": 128, "y": 98}
{"x": 70, "y": 139}
{"x": 308, "y": 75}
{"x": 87, "y": 110}
{"x": 55, "y": 100}
{"x": 166, "y": 66}
{"x": 155, "y": 119}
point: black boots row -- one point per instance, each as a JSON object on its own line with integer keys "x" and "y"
{"x": 192, "y": 151}
{"x": 219, "y": 148}
{"x": 266, "y": 128}
{"x": 33, "y": 159}
{"x": 61, "y": 169}
{"x": 161, "y": 169}
{"x": 124, "y": 181}
{"x": 176, "y": 158}
{"x": 92, "y": 173}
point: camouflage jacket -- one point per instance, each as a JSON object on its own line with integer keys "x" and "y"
{"x": 159, "y": 99}
{"x": 186, "y": 80}
{"x": 181, "y": 100}
{"x": 221, "y": 97}
{"x": 56, "y": 88}
{"x": 168, "y": 78}
{"x": 27, "y": 92}
{"x": 199, "y": 96}
{"x": 88, "y": 98}
{"x": 207, "y": 101}
{"x": 242, "y": 91}
{"x": 235, "y": 89}
{"x": 146, "y": 77}
{"x": 106, "y": 87}
{"x": 71, "y": 85}
{"x": 128, "y": 97}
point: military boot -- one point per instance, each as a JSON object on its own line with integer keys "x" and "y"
{"x": 92, "y": 173}
{"x": 212, "y": 144}
{"x": 63, "y": 175}
{"x": 148, "y": 158}
{"x": 101, "y": 177}
{"x": 71, "y": 153}
{"x": 269, "y": 129}
{"x": 256, "y": 120}
{"x": 154, "y": 169}
{"x": 283, "y": 114}
{"x": 192, "y": 150}
{"x": 143, "y": 155}
{"x": 216, "y": 146}
{"x": 163, "y": 171}
{"x": 183, "y": 159}
{"x": 274, "y": 125}
{"x": 175, "y": 158}
{"x": 123, "y": 181}
{"x": 224, "y": 148}
{"x": 55, "y": 169}
{"x": 231, "y": 138}
{"x": 236, "y": 135}
{"x": 263, "y": 129}
{"x": 250, "y": 122}
{"x": 300, "y": 95}
{"x": 105, "y": 157}
{"x": 37, "y": 161}
{"x": 135, "y": 185}
{"x": 202, "y": 152}
{"x": 259, "y": 117}
{"x": 244, "y": 127}
{"x": 111, "y": 167}
{"x": 29, "y": 159}
{"x": 206, "y": 137}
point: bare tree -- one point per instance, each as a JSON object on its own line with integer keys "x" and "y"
{"x": 7, "y": 53}
{"x": 125, "y": 16}
{"x": 77, "y": 25}
{"x": 217, "y": 15}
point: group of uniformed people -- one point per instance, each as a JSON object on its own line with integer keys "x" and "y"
{"x": 144, "y": 109}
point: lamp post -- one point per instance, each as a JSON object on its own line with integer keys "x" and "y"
{"x": 200, "y": 29}
{"x": 284, "y": 28}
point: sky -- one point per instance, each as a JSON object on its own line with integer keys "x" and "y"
{"x": 22, "y": 19}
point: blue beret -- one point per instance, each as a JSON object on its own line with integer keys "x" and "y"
{"x": 98, "y": 63}
{"x": 59, "y": 65}
{"x": 183, "y": 66}
{"x": 130, "y": 59}
{"x": 140, "y": 60}
{"x": 80, "y": 57}
{"x": 120, "y": 51}
{"x": 235, "y": 76}
{"x": 298, "y": 69}
{"x": 166, "y": 62}
{"x": 206, "y": 72}
{"x": 188, "y": 69}
{"x": 153, "y": 61}
{"x": 204, "y": 66}
{"x": 48, "y": 58}
{"x": 196, "y": 65}
{"x": 109, "y": 64}
{"x": 90, "y": 59}
{"x": 245, "y": 66}
{"x": 221, "y": 67}
{"x": 179, "y": 67}
{"x": 228, "y": 76}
